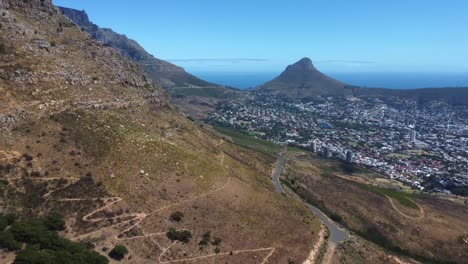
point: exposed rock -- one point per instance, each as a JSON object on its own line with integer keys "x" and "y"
{"x": 161, "y": 72}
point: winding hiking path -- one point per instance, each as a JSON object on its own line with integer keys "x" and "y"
{"x": 134, "y": 220}
{"x": 421, "y": 210}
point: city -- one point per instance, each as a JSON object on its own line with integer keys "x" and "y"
{"x": 423, "y": 146}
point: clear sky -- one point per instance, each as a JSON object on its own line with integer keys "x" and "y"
{"x": 266, "y": 35}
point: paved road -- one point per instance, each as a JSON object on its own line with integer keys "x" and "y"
{"x": 277, "y": 173}
{"x": 336, "y": 233}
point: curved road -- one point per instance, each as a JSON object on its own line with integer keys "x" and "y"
{"x": 336, "y": 233}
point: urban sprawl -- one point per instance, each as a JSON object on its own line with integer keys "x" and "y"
{"x": 422, "y": 145}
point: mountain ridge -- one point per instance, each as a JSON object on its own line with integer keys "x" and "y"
{"x": 163, "y": 73}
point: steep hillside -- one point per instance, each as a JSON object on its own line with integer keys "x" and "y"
{"x": 429, "y": 228}
{"x": 84, "y": 132}
{"x": 162, "y": 73}
{"x": 302, "y": 80}
{"x": 194, "y": 96}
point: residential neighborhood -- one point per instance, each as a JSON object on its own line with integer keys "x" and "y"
{"x": 424, "y": 146}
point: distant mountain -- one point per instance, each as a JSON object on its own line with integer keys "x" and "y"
{"x": 162, "y": 73}
{"x": 302, "y": 80}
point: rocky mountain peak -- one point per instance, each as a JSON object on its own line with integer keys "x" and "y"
{"x": 80, "y": 17}
{"x": 305, "y": 64}
{"x": 303, "y": 80}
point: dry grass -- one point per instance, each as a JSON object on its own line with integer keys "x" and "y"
{"x": 363, "y": 206}
{"x": 101, "y": 151}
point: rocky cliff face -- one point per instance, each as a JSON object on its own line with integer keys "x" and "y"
{"x": 28, "y": 6}
{"x": 161, "y": 72}
{"x": 52, "y": 66}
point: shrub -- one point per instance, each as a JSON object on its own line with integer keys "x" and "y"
{"x": 217, "y": 250}
{"x": 118, "y": 252}
{"x": 216, "y": 241}
{"x": 336, "y": 217}
{"x": 3, "y": 223}
{"x": 44, "y": 245}
{"x": 182, "y": 236}
{"x": 55, "y": 222}
{"x": 8, "y": 241}
{"x": 177, "y": 216}
{"x": 205, "y": 239}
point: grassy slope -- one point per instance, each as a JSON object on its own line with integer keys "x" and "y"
{"x": 247, "y": 141}
{"x": 360, "y": 201}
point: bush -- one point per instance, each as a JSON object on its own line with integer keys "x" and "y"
{"x": 32, "y": 255}
{"x": 216, "y": 241}
{"x": 3, "y": 223}
{"x": 6, "y": 220}
{"x": 205, "y": 239}
{"x": 44, "y": 245}
{"x": 118, "y": 252}
{"x": 177, "y": 216}
{"x": 55, "y": 222}
{"x": 336, "y": 217}
{"x": 182, "y": 236}
{"x": 8, "y": 241}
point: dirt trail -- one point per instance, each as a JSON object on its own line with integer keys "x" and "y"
{"x": 316, "y": 249}
{"x": 329, "y": 254}
{"x": 421, "y": 210}
{"x": 214, "y": 255}
{"x": 134, "y": 220}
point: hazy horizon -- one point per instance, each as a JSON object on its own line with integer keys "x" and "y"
{"x": 392, "y": 80}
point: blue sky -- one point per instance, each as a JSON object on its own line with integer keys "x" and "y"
{"x": 266, "y": 35}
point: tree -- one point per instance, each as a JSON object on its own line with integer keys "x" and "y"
{"x": 118, "y": 252}
{"x": 8, "y": 241}
{"x": 182, "y": 236}
{"x": 55, "y": 222}
{"x": 177, "y": 216}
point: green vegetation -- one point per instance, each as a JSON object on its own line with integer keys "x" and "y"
{"x": 310, "y": 198}
{"x": 182, "y": 236}
{"x": 6, "y": 220}
{"x": 402, "y": 197}
{"x": 55, "y": 221}
{"x": 213, "y": 92}
{"x": 176, "y": 216}
{"x": 205, "y": 239}
{"x": 7, "y": 241}
{"x": 118, "y": 252}
{"x": 37, "y": 241}
{"x": 250, "y": 142}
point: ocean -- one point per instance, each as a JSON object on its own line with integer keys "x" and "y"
{"x": 380, "y": 80}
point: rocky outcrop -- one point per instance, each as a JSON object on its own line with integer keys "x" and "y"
{"x": 28, "y": 6}
{"x": 163, "y": 73}
{"x": 52, "y": 66}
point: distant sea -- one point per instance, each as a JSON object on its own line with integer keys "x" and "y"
{"x": 380, "y": 80}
